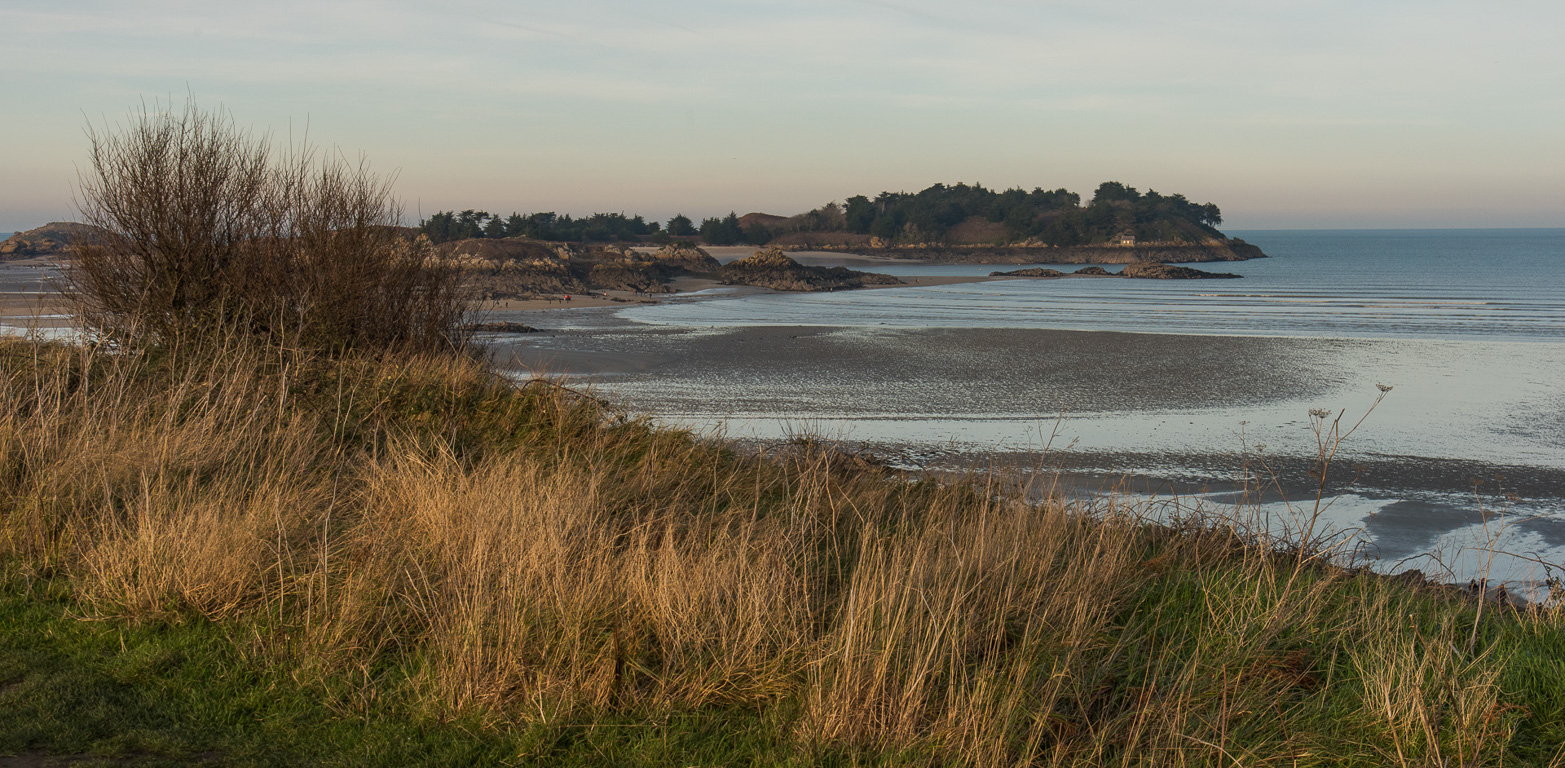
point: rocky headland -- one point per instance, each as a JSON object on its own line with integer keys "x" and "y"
{"x": 52, "y": 240}
{"x": 771, "y": 268}
{"x": 521, "y": 268}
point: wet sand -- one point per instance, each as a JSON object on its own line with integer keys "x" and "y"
{"x": 947, "y": 370}
{"x": 28, "y": 298}
{"x": 896, "y": 389}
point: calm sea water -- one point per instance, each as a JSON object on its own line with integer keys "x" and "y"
{"x": 1434, "y": 284}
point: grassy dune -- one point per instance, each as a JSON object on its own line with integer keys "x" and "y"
{"x": 448, "y": 568}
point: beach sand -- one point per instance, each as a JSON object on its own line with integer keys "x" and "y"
{"x": 954, "y": 370}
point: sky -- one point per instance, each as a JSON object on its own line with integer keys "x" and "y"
{"x": 1321, "y": 114}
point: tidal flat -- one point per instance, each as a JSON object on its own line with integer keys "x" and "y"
{"x": 1178, "y": 394}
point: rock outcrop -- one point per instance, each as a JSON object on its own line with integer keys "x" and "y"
{"x": 508, "y": 268}
{"x": 1142, "y": 270}
{"x": 1232, "y": 249}
{"x": 641, "y": 275}
{"x": 52, "y": 239}
{"x": 1151, "y": 270}
{"x": 773, "y": 269}
{"x": 1033, "y": 272}
{"x": 687, "y": 257}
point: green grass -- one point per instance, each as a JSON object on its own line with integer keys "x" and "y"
{"x": 88, "y": 693}
{"x": 195, "y": 692}
{"x": 166, "y": 694}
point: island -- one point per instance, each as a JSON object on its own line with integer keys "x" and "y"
{"x": 958, "y": 223}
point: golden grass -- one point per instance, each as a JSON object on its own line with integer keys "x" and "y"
{"x": 529, "y": 556}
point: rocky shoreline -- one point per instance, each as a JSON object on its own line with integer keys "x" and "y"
{"x": 516, "y": 268}
{"x": 1141, "y": 270}
{"x": 1232, "y": 249}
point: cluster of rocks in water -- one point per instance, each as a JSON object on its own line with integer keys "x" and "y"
{"x": 1142, "y": 270}
{"x": 773, "y": 269}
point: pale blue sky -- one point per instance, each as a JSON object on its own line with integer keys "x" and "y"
{"x": 1286, "y": 114}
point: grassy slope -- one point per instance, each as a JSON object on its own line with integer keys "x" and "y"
{"x": 404, "y": 561}
{"x": 186, "y": 693}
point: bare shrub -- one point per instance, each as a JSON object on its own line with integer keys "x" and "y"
{"x": 208, "y": 228}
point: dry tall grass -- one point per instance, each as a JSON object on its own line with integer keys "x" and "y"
{"x": 527, "y": 555}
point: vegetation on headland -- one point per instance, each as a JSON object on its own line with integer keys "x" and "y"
{"x": 939, "y": 215}
{"x": 1049, "y": 217}
{"x": 288, "y": 548}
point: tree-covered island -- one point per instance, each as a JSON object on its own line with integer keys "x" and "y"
{"x": 959, "y": 222}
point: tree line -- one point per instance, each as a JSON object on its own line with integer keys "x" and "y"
{"x": 1054, "y": 217}
{"x": 599, "y": 227}
{"x": 446, "y": 226}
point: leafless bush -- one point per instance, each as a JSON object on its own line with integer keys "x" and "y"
{"x": 209, "y": 229}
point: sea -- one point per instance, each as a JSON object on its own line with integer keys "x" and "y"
{"x": 1449, "y": 344}
{"x": 1494, "y": 285}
